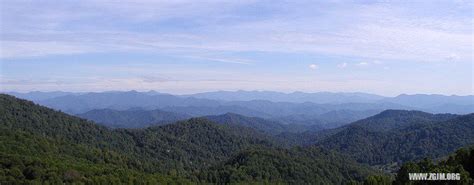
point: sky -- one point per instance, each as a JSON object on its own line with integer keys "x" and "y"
{"x": 188, "y": 46}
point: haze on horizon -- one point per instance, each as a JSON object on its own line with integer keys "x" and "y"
{"x": 184, "y": 47}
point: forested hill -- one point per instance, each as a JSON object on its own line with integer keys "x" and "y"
{"x": 309, "y": 165}
{"x": 45, "y": 146}
{"x": 266, "y": 126}
{"x": 398, "y": 119}
{"x": 42, "y": 145}
{"x": 181, "y": 137}
{"x": 398, "y": 136}
{"x": 462, "y": 162}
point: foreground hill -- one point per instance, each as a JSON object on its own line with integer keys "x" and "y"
{"x": 398, "y": 136}
{"x": 132, "y": 118}
{"x": 295, "y": 166}
{"x": 462, "y": 162}
{"x": 61, "y": 142}
{"x": 42, "y": 145}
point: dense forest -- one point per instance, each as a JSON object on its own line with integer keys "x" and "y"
{"x": 399, "y": 136}
{"x": 42, "y": 145}
{"x": 310, "y": 165}
{"x": 462, "y": 162}
{"x": 393, "y": 137}
{"x": 263, "y": 125}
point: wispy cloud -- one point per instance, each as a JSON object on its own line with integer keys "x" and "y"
{"x": 362, "y": 64}
{"x": 241, "y": 38}
{"x": 342, "y": 65}
{"x": 375, "y": 62}
{"x": 223, "y": 60}
{"x": 379, "y": 30}
{"x": 313, "y": 66}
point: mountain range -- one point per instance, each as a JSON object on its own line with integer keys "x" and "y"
{"x": 302, "y": 111}
{"x": 41, "y": 145}
{"x": 267, "y": 103}
{"x": 295, "y": 97}
{"x": 132, "y": 118}
{"x": 396, "y": 136}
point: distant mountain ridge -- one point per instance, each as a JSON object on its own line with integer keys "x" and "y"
{"x": 432, "y": 103}
{"x": 425, "y": 100}
{"x": 345, "y": 107}
{"x": 120, "y": 101}
{"x": 198, "y": 111}
{"x": 132, "y": 118}
{"x": 38, "y": 95}
{"x": 295, "y": 97}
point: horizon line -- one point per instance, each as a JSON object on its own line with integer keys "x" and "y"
{"x": 235, "y": 91}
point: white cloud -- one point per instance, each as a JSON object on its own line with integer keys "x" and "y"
{"x": 375, "y": 62}
{"x": 223, "y": 59}
{"x": 342, "y": 65}
{"x": 313, "y": 66}
{"x": 362, "y": 64}
{"x": 452, "y": 57}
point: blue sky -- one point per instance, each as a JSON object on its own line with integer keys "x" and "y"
{"x": 382, "y": 47}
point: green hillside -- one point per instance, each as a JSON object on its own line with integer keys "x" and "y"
{"x": 399, "y": 136}
{"x": 42, "y": 145}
